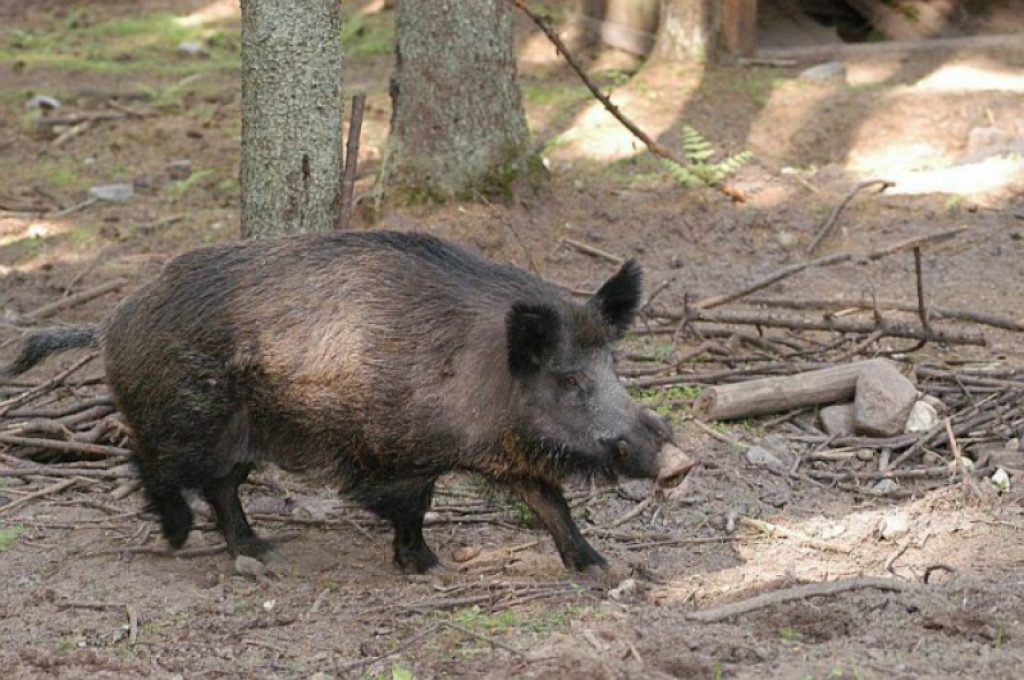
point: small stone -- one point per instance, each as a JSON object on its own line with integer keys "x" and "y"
{"x": 965, "y": 461}
{"x": 465, "y": 553}
{"x": 922, "y": 418}
{"x": 115, "y": 193}
{"x": 886, "y": 486}
{"x": 268, "y": 605}
{"x": 786, "y": 239}
{"x": 249, "y": 566}
{"x": 883, "y": 400}
{"x": 43, "y": 103}
{"x": 1001, "y": 479}
{"x": 837, "y": 420}
{"x": 625, "y": 589}
{"x": 893, "y": 526}
{"x": 936, "y": 403}
{"x": 179, "y": 169}
{"x": 762, "y": 457}
{"x": 832, "y": 70}
{"x": 194, "y": 48}
{"x": 865, "y": 455}
{"x": 831, "y": 531}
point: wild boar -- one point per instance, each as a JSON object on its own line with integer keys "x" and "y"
{"x": 379, "y": 361}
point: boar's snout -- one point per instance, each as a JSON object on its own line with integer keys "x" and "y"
{"x": 672, "y": 465}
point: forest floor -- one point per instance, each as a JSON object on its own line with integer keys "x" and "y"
{"x": 87, "y": 589}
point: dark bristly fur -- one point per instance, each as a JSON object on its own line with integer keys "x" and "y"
{"x": 378, "y": 360}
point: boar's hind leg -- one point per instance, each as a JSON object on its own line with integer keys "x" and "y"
{"x": 403, "y": 503}
{"x": 222, "y": 495}
{"x": 548, "y": 503}
{"x": 164, "y": 491}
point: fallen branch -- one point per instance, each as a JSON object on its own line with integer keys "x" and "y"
{"x": 893, "y": 329}
{"x": 544, "y": 25}
{"x": 885, "y": 305}
{"x": 68, "y": 446}
{"x": 801, "y": 592}
{"x": 53, "y": 471}
{"x": 770, "y": 395}
{"x": 656, "y": 149}
{"x": 591, "y": 250}
{"x": 76, "y": 118}
{"x": 836, "y": 258}
{"x": 834, "y": 215}
{"x": 803, "y": 539}
{"x": 917, "y": 473}
{"x": 38, "y": 390}
{"x": 55, "y": 488}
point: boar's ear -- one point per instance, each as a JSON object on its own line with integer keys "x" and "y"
{"x": 618, "y": 300}
{"x": 532, "y": 333}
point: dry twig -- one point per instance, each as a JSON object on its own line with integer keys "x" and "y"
{"x": 801, "y": 592}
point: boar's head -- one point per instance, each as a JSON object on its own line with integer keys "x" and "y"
{"x": 570, "y": 408}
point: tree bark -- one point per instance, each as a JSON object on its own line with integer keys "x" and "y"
{"x": 688, "y": 30}
{"x": 291, "y": 116}
{"x": 458, "y": 128}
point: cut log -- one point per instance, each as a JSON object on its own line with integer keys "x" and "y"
{"x": 771, "y": 395}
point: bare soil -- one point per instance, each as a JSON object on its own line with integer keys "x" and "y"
{"x": 87, "y": 589}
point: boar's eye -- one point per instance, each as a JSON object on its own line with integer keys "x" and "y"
{"x": 569, "y": 381}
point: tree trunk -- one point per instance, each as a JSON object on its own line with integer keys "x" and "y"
{"x": 688, "y": 30}
{"x": 458, "y": 128}
{"x": 291, "y": 116}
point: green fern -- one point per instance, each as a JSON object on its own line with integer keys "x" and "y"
{"x": 700, "y": 170}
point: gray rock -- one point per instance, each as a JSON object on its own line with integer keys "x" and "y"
{"x": 194, "y": 48}
{"x": 922, "y": 418}
{"x": 893, "y": 526}
{"x": 832, "y": 70}
{"x": 883, "y": 400}
{"x": 786, "y": 239}
{"x": 936, "y": 403}
{"x": 886, "y": 486}
{"x": 762, "y": 457}
{"x": 837, "y": 420}
{"x": 117, "y": 193}
{"x": 43, "y": 102}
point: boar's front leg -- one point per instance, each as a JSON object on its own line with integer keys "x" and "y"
{"x": 547, "y": 502}
{"x": 404, "y": 503}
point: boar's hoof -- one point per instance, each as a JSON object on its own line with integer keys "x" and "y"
{"x": 420, "y": 560}
{"x": 259, "y": 548}
{"x": 673, "y": 466}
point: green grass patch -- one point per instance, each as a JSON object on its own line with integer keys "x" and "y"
{"x": 8, "y": 536}
{"x": 368, "y": 35}
{"x": 541, "y": 93}
{"x": 125, "y": 44}
{"x": 181, "y": 187}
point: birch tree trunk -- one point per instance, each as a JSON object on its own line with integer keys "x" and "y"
{"x": 291, "y": 116}
{"x": 458, "y": 128}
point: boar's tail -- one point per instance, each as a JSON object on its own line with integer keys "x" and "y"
{"x": 38, "y": 346}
